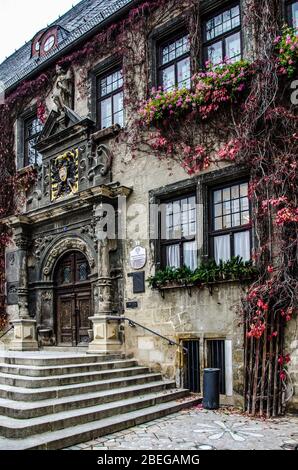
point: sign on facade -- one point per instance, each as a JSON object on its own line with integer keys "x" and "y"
{"x": 138, "y": 257}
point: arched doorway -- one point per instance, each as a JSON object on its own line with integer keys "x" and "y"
{"x": 72, "y": 299}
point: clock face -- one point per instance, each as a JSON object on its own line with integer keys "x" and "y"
{"x": 49, "y": 43}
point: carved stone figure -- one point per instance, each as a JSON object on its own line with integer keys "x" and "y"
{"x": 63, "y": 89}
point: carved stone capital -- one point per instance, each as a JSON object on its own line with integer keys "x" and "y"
{"x": 21, "y": 241}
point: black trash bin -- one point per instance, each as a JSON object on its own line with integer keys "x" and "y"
{"x": 211, "y": 389}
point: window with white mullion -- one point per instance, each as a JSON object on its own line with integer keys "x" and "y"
{"x": 110, "y": 102}
{"x": 178, "y": 232}
{"x": 230, "y": 222}
{"x": 222, "y": 36}
{"x": 174, "y": 63}
{"x": 32, "y": 130}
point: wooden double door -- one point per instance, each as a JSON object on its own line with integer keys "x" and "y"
{"x": 73, "y": 300}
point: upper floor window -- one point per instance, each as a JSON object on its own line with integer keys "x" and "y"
{"x": 49, "y": 43}
{"x": 293, "y": 14}
{"x": 222, "y": 36}
{"x": 174, "y": 63}
{"x": 110, "y": 107}
{"x": 32, "y": 130}
{"x": 230, "y": 222}
{"x": 47, "y": 39}
{"x": 178, "y": 232}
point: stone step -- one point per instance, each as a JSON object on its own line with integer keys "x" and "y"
{"x": 45, "y": 393}
{"x": 85, "y": 432}
{"x": 60, "y": 380}
{"x": 54, "y": 359}
{"x": 28, "y": 410}
{"x": 11, "y": 427}
{"x": 42, "y": 371}
{"x": 67, "y": 349}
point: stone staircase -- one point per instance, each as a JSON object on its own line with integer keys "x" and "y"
{"x": 55, "y": 400}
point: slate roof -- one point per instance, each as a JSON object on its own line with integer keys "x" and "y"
{"x": 78, "y": 21}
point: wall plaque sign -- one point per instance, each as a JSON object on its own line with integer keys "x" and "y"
{"x": 138, "y": 282}
{"x": 138, "y": 257}
{"x": 65, "y": 174}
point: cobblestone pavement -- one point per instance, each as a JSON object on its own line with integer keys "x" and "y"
{"x": 199, "y": 429}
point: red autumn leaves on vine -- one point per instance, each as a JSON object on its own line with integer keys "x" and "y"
{"x": 283, "y": 361}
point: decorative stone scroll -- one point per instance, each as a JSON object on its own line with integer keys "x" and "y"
{"x": 64, "y": 246}
{"x": 103, "y": 160}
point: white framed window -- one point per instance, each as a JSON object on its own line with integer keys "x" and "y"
{"x": 222, "y": 36}
{"x": 230, "y": 218}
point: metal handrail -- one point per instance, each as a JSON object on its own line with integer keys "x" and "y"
{"x": 134, "y": 323}
{"x": 7, "y": 331}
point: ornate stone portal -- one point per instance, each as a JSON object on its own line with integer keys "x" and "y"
{"x": 62, "y": 212}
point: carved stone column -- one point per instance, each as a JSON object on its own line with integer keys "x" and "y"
{"x": 24, "y": 327}
{"x": 105, "y": 332}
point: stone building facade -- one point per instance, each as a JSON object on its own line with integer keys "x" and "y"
{"x": 63, "y": 279}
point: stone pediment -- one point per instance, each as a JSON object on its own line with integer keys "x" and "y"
{"x": 60, "y": 126}
{"x": 73, "y": 160}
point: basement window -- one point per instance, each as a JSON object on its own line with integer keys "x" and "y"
{"x": 192, "y": 366}
{"x": 215, "y": 350}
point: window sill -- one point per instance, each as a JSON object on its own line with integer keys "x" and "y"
{"x": 105, "y": 133}
{"x": 175, "y": 285}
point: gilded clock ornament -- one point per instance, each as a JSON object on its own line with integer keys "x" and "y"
{"x": 65, "y": 174}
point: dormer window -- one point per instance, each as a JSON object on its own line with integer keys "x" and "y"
{"x": 47, "y": 39}
{"x": 49, "y": 43}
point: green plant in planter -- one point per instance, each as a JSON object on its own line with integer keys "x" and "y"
{"x": 162, "y": 277}
{"x": 184, "y": 275}
{"x": 207, "y": 272}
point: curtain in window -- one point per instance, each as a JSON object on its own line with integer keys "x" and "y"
{"x": 190, "y": 255}
{"x": 173, "y": 256}
{"x": 222, "y": 248}
{"x": 242, "y": 245}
